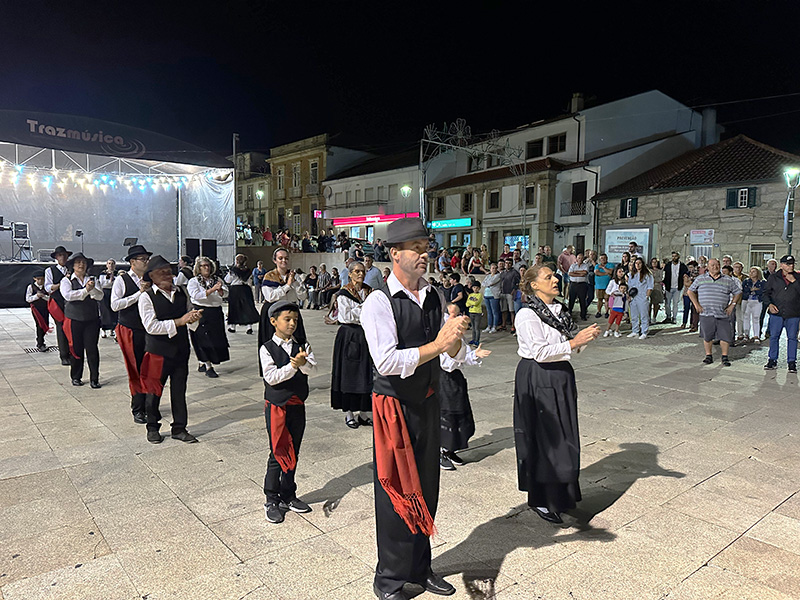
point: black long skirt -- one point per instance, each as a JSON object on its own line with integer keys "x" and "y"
{"x": 241, "y": 306}
{"x": 209, "y": 340}
{"x": 108, "y": 318}
{"x": 546, "y": 434}
{"x": 351, "y": 373}
{"x": 458, "y": 424}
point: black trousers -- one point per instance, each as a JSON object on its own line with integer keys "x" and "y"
{"x": 63, "y": 342}
{"x": 277, "y": 484}
{"x": 85, "y": 335}
{"x": 578, "y": 290}
{"x": 177, "y": 371}
{"x": 404, "y": 557}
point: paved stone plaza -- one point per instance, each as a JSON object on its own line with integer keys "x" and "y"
{"x": 690, "y": 480}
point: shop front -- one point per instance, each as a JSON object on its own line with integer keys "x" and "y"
{"x": 368, "y": 227}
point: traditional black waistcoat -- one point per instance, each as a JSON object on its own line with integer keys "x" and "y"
{"x": 415, "y": 327}
{"x": 81, "y": 310}
{"x": 176, "y": 347}
{"x": 129, "y": 317}
{"x": 280, "y": 393}
{"x": 40, "y": 305}
{"x": 57, "y": 277}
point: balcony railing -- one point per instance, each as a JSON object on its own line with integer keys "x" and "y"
{"x": 280, "y": 194}
{"x": 295, "y": 192}
{"x": 312, "y": 189}
{"x": 573, "y": 209}
{"x": 248, "y": 204}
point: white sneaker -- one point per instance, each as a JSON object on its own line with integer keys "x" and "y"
{"x": 633, "y": 335}
{"x": 643, "y": 336}
{"x": 487, "y": 330}
{"x": 616, "y": 334}
{"x": 607, "y": 333}
{"x": 493, "y": 330}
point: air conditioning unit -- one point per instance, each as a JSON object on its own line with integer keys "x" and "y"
{"x": 44, "y": 255}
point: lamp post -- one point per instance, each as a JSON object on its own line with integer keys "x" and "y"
{"x": 792, "y": 182}
{"x": 79, "y": 234}
{"x": 406, "y": 192}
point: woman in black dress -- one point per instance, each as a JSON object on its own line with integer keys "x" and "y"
{"x": 108, "y": 318}
{"x": 206, "y": 291}
{"x": 351, "y": 373}
{"x": 241, "y": 306}
{"x": 546, "y": 397}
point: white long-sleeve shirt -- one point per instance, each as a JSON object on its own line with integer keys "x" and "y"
{"x": 287, "y": 292}
{"x": 349, "y": 312}
{"x": 197, "y": 293}
{"x": 30, "y": 295}
{"x": 232, "y": 279}
{"x": 148, "y": 314}
{"x": 377, "y": 319}
{"x": 118, "y": 299}
{"x": 538, "y": 340}
{"x": 274, "y": 375}
{"x": 48, "y": 277}
{"x": 81, "y": 293}
{"x": 107, "y": 281}
{"x": 470, "y": 360}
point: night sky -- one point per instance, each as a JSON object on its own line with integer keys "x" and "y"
{"x": 379, "y": 72}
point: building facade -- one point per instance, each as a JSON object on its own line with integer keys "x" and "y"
{"x": 253, "y": 189}
{"x": 727, "y": 198}
{"x": 298, "y": 170}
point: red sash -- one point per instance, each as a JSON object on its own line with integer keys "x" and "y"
{"x": 55, "y": 310}
{"x": 282, "y": 446}
{"x": 67, "y": 328}
{"x": 41, "y": 320}
{"x": 125, "y": 339}
{"x": 396, "y": 465}
{"x": 150, "y": 375}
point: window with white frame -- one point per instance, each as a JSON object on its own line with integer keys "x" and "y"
{"x": 494, "y": 200}
{"x": 279, "y": 178}
{"x": 742, "y": 198}
{"x": 313, "y": 171}
{"x": 557, "y": 143}
{"x": 249, "y": 192}
{"x": 296, "y": 220}
{"x": 239, "y": 195}
{"x": 296, "y": 175}
{"x": 534, "y": 148}
{"x": 628, "y": 208}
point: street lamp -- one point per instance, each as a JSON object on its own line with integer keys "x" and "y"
{"x": 406, "y": 191}
{"x": 792, "y": 182}
{"x": 79, "y": 234}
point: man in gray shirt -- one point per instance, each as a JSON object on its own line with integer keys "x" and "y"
{"x": 373, "y": 277}
{"x": 715, "y": 295}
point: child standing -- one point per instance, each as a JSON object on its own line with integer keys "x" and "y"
{"x": 475, "y": 308}
{"x": 458, "y": 424}
{"x": 37, "y": 297}
{"x": 617, "y": 300}
{"x": 286, "y": 367}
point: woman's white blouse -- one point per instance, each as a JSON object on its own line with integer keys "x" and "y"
{"x": 539, "y": 341}
{"x": 198, "y": 294}
{"x": 107, "y": 281}
{"x": 349, "y": 312}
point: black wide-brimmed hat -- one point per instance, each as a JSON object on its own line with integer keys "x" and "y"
{"x": 155, "y": 263}
{"x": 405, "y": 230}
{"x": 59, "y": 250}
{"x": 77, "y": 256}
{"x": 281, "y": 306}
{"x": 137, "y": 250}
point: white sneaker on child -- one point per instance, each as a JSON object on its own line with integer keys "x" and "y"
{"x": 607, "y": 333}
{"x": 616, "y": 334}
{"x": 643, "y": 336}
{"x": 487, "y": 330}
{"x": 493, "y": 330}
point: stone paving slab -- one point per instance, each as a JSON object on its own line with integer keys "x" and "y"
{"x": 689, "y": 477}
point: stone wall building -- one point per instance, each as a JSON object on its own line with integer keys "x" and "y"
{"x": 727, "y": 198}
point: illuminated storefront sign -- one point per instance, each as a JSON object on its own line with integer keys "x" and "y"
{"x": 371, "y": 219}
{"x": 451, "y": 223}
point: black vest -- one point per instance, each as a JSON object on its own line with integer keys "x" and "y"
{"x": 187, "y": 272}
{"x": 57, "y": 277}
{"x": 129, "y": 317}
{"x": 296, "y": 386}
{"x": 176, "y": 347}
{"x": 87, "y": 309}
{"x": 40, "y": 305}
{"x": 415, "y": 327}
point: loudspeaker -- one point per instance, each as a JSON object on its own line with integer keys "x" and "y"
{"x": 209, "y": 248}
{"x": 192, "y": 247}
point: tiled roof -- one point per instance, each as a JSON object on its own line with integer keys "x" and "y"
{"x": 533, "y": 166}
{"x": 737, "y": 160}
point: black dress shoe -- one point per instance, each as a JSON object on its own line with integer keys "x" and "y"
{"x": 154, "y": 437}
{"x": 95, "y": 385}
{"x": 139, "y": 418}
{"x": 201, "y": 369}
{"x": 548, "y": 516}
{"x": 211, "y": 373}
{"x": 184, "y": 436}
{"x": 398, "y": 595}
{"x": 77, "y": 382}
{"x": 65, "y": 362}
{"x": 436, "y": 584}
{"x": 364, "y": 422}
